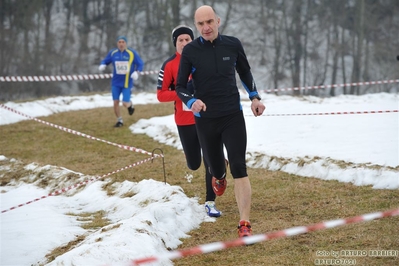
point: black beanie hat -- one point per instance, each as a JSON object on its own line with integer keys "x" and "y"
{"x": 179, "y": 30}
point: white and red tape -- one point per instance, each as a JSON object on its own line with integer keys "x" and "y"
{"x": 63, "y": 77}
{"x": 216, "y": 246}
{"x": 339, "y": 113}
{"x": 63, "y": 190}
{"x": 77, "y": 133}
{"x": 150, "y": 72}
{"x": 334, "y": 85}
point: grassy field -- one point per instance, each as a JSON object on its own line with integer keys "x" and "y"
{"x": 280, "y": 200}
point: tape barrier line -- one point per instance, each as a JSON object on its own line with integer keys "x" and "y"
{"x": 64, "y": 77}
{"x": 54, "y": 78}
{"x": 333, "y": 85}
{"x": 150, "y": 72}
{"x": 63, "y": 190}
{"x": 216, "y": 246}
{"x": 86, "y": 136}
{"x": 125, "y": 147}
{"x": 337, "y": 113}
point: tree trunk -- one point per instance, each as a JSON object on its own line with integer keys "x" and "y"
{"x": 326, "y": 57}
{"x": 277, "y": 29}
{"x": 358, "y": 44}
{"x": 290, "y": 57}
{"x": 297, "y": 43}
{"x": 305, "y": 43}
{"x": 225, "y": 21}
{"x": 48, "y": 47}
{"x": 175, "y": 5}
{"x": 335, "y": 57}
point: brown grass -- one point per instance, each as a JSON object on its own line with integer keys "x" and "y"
{"x": 280, "y": 200}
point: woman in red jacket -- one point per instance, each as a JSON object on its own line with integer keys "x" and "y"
{"x": 184, "y": 117}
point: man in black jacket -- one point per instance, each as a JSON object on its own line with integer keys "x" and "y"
{"x": 212, "y": 60}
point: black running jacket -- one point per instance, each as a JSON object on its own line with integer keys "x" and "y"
{"x": 213, "y": 67}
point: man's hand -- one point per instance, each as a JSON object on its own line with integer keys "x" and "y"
{"x": 257, "y": 107}
{"x": 198, "y": 106}
{"x": 102, "y": 67}
{"x": 134, "y": 75}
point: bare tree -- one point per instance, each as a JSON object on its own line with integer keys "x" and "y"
{"x": 293, "y": 29}
{"x": 291, "y": 43}
{"x": 357, "y": 44}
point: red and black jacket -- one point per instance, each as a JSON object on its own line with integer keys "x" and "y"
{"x": 166, "y": 92}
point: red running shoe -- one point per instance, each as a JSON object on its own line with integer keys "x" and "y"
{"x": 219, "y": 185}
{"x": 244, "y": 229}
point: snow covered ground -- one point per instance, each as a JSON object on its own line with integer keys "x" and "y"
{"x": 359, "y": 148}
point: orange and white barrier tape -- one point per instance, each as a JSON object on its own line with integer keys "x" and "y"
{"x": 216, "y": 246}
{"x": 63, "y": 190}
{"x": 64, "y": 77}
{"x": 77, "y": 132}
{"x": 338, "y": 113}
{"x": 89, "y": 137}
{"x": 333, "y": 85}
{"x": 54, "y": 78}
{"x": 107, "y": 76}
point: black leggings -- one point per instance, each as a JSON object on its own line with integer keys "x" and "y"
{"x": 192, "y": 151}
{"x": 229, "y": 131}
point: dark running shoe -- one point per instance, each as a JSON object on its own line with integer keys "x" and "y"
{"x": 244, "y": 229}
{"x": 119, "y": 124}
{"x": 130, "y": 109}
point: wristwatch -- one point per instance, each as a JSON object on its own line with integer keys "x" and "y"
{"x": 255, "y": 97}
